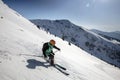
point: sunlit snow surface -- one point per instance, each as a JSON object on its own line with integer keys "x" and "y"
{"x": 20, "y": 46}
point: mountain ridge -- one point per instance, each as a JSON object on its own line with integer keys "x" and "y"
{"x": 109, "y": 35}
{"x": 83, "y": 38}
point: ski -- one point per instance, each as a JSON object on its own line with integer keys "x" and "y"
{"x": 62, "y": 71}
{"x": 60, "y": 66}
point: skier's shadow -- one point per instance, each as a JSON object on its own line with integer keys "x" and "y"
{"x": 32, "y": 64}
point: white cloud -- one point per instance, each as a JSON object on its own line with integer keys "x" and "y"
{"x": 88, "y": 5}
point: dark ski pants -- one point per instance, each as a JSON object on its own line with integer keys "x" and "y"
{"x": 51, "y": 57}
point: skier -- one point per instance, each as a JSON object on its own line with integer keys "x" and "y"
{"x": 48, "y": 51}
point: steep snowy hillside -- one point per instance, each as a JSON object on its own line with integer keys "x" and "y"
{"x": 20, "y": 54}
{"x": 108, "y": 35}
{"x": 83, "y": 38}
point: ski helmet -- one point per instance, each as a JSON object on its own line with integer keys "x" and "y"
{"x": 52, "y": 42}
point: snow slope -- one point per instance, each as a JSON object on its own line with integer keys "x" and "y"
{"x": 20, "y": 46}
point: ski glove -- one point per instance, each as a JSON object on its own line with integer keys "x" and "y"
{"x": 59, "y": 49}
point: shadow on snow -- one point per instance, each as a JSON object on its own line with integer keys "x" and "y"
{"x": 32, "y": 64}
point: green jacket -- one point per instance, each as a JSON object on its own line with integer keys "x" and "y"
{"x": 49, "y": 50}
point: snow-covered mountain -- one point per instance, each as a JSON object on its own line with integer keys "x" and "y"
{"x": 109, "y": 35}
{"x": 92, "y": 43}
{"x": 20, "y": 50}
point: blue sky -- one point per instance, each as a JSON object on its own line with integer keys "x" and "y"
{"x": 92, "y": 14}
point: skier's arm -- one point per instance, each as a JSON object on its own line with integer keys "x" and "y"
{"x": 56, "y": 48}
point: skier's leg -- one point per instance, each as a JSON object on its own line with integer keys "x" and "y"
{"x": 51, "y": 57}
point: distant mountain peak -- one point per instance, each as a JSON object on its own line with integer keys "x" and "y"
{"x": 109, "y": 35}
